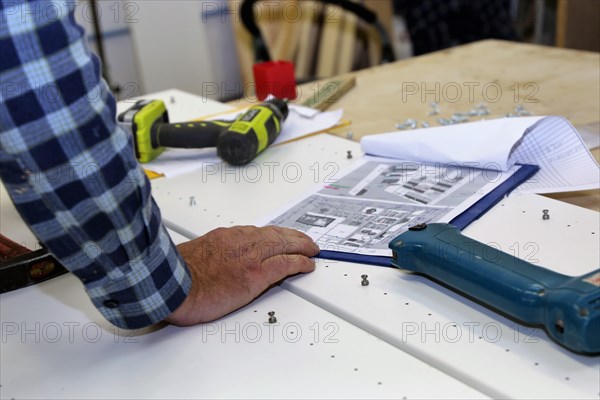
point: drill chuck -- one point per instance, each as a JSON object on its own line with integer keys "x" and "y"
{"x": 252, "y": 132}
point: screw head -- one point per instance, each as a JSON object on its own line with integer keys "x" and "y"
{"x": 271, "y": 313}
{"x": 364, "y": 276}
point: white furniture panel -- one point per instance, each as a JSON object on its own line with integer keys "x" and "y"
{"x": 497, "y": 356}
{"x": 55, "y": 345}
{"x": 227, "y": 196}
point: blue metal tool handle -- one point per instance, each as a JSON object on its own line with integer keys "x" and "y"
{"x": 568, "y": 307}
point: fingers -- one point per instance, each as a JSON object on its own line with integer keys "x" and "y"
{"x": 291, "y": 242}
{"x": 241, "y": 244}
{"x": 278, "y": 267}
{"x": 262, "y": 243}
{"x": 288, "y": 231}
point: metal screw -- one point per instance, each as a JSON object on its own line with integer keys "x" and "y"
{"x": 365, "y": 281}
{"x": 425, "y": 124}
{"x": 172, "y": 99}
{"x": 192, "y": 201}
{"x": 519, "y": 111}
{"x": 458, "y": 118}
{"x": 435, "y": 108}
{"x": 545, "y": 214}
{"x": 272, "y": 318}
{"x": 408, "y": 124}
{"x": 349, "y": 135}
{"x": 349, "y": 156}
{"x": 479, "y": 110}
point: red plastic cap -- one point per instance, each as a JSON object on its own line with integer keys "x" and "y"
{"x": 276, "y": 78}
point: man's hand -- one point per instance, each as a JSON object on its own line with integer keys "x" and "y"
{"x": 232, "y": 266}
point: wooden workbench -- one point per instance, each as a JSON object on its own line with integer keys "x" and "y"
{"x": 501, "y": 74}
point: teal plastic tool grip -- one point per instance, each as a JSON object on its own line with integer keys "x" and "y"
{"x": 567, "y": 307}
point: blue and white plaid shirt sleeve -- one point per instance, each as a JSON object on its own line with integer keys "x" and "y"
{"x": 71, "y": 171}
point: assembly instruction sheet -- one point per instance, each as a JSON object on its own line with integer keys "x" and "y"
{"x": 549, "y": 142}
{"x": 363, "y": 210}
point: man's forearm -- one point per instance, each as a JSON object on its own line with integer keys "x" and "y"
{"x": 72, "y": 173}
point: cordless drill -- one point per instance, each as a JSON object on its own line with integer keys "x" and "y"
{"x": 567, "y": 307}
{"x": 237, "y": 142}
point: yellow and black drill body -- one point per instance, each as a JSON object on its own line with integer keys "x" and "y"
{"x": 237, "y": 142}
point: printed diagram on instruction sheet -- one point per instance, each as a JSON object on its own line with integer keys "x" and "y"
{"x": 369, "y": 206}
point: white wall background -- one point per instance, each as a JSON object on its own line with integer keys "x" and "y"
{"x": 156, "y": 45}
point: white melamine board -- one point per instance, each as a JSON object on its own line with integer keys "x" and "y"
{"x": 177, "y": 237}
{"x": 225, "y": 195}
{"x": 11, "y": 224}
{"x": 568, "y": 242}
{"x": 55, "y": 345}
{"x": 493, "y": 354}
{"x": 497, "y": 356}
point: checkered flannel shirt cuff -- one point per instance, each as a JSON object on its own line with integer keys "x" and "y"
{"x": 155, "y": 286}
